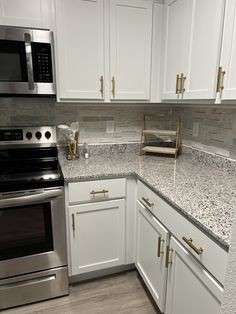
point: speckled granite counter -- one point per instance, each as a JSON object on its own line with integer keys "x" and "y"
{"x": 201, "y": 186}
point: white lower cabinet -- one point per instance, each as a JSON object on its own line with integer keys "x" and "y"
{"x": 182, "y": 280}
{"x": 97, "y": 235}
{"x": 173, "y": 257}
{"x": 152, "y": 238}
{"x": 190, "y": 288}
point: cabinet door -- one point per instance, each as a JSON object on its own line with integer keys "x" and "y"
{"x": 97, "y": 236}
{"x": 204, "y": 49}
{"x": 25, "y": 13}
{"x": 152, "y": 239}
{"x": 130, "y": 49}
{"x": 177, "y": 33}
{"x": 190, "y": 288}
{"x": 80, "y": 48}
{"x": 228, "y": 54}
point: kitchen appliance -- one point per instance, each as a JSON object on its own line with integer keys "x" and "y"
{"x": 26, "y": 61}
{"x": 33, "y": 261}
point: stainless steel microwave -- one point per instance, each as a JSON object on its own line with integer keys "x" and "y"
{"x": 26, "y": 61}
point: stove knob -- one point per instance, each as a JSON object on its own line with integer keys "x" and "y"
{"x": 28, "y": 135}
{"x": 38, "y": 135}
{"x": 48, "y": 135}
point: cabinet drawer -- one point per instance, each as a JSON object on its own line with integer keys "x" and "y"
{"x": 181, "y": 227}
{"x": 90, "y": 191}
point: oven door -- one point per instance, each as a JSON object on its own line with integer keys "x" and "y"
{"x": 32, "y": 231}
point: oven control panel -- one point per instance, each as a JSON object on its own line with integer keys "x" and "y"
{"x": 28, "y": 135}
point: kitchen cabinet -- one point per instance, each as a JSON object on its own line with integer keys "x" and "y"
{"x": 227, "y": 71}
{"x": 181, "y": 227}
{"x": 190, "y": 288}
{"x": 177, "y": 21}
{"x": 130, "y": 49}
{"x": 156, "y": 62}
{"x": 103, "y": 49}
{"x": 25, "y": 13}
{"x": 192, "y": 48}
{"x": 97, "y": 235}
{"x": 79, "y": 26}
{"x": 152, "y": 238}
{"x": 175, "y": 258}
{"x": 194, "y": 281}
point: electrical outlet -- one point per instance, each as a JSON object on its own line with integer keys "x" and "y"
{"x": 195, "y": 129}
{"x": 110, "y": 127}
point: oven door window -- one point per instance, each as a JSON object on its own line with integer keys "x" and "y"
{"x": 13, "y": 66}
{"x": 25, "y": 230}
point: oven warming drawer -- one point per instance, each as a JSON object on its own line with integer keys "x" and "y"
{"x": 34, "y": 287}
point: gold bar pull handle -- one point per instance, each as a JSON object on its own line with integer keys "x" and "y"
{"x": 189, "y": 241}
{"x": 220, "y": 80}
{"x": 169, "y": 253}
{"x": 113, "y": 86}
{"x": 160, "y": 241}
{"x": 102, "y": 86}
{"x": 147, "y": 202}
{"x": 182, "y": 83}
{"x": 178, "y": 84}
{"x": 93, "y": 193}
{"x": 73, "y": 222}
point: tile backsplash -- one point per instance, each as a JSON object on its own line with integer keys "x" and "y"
{"x": 217, "y": 126}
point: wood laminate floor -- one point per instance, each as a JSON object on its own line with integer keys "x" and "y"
{"x": 122, "y": 294}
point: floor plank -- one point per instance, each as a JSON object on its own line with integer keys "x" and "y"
{"x": 123, "y": 294}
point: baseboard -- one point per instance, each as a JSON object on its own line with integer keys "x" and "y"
{"x": 100, "y": 273}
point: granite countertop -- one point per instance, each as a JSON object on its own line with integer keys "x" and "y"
{"x": 201, "y": 186}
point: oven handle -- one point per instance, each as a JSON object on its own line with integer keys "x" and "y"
{"x": 29, "y": 199}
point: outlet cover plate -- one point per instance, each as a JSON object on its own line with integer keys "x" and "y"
{"x": 195, "y": 129}
{"x": 110, "y": 127}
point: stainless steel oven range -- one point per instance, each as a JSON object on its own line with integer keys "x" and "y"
{"x": 33, "y": 261}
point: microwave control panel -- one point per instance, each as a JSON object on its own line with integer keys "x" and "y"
{"x": 42, "y": 62}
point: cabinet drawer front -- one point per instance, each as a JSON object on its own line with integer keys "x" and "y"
{"x": 92, "y": 191}
{"x": 184, "y": 230}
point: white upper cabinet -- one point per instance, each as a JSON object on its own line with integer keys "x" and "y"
{"x": 80, "y": 48}
{"x": 103, "y": 49}
{"x": 177, "y": 32}
{"x": 204, "y": 49}
{"x": 192, "y": 48}
{"x": 25, "y": 13}
{"x": 130, "y": 49}
{"x": 227, "y": 75}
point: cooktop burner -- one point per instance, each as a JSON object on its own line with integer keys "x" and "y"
{"x": 28, "y": 158}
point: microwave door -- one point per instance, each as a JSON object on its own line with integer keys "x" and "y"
{"x": 15, "y": 66}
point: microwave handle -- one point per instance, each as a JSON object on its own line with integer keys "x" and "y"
{"x": 29, "y": 61}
